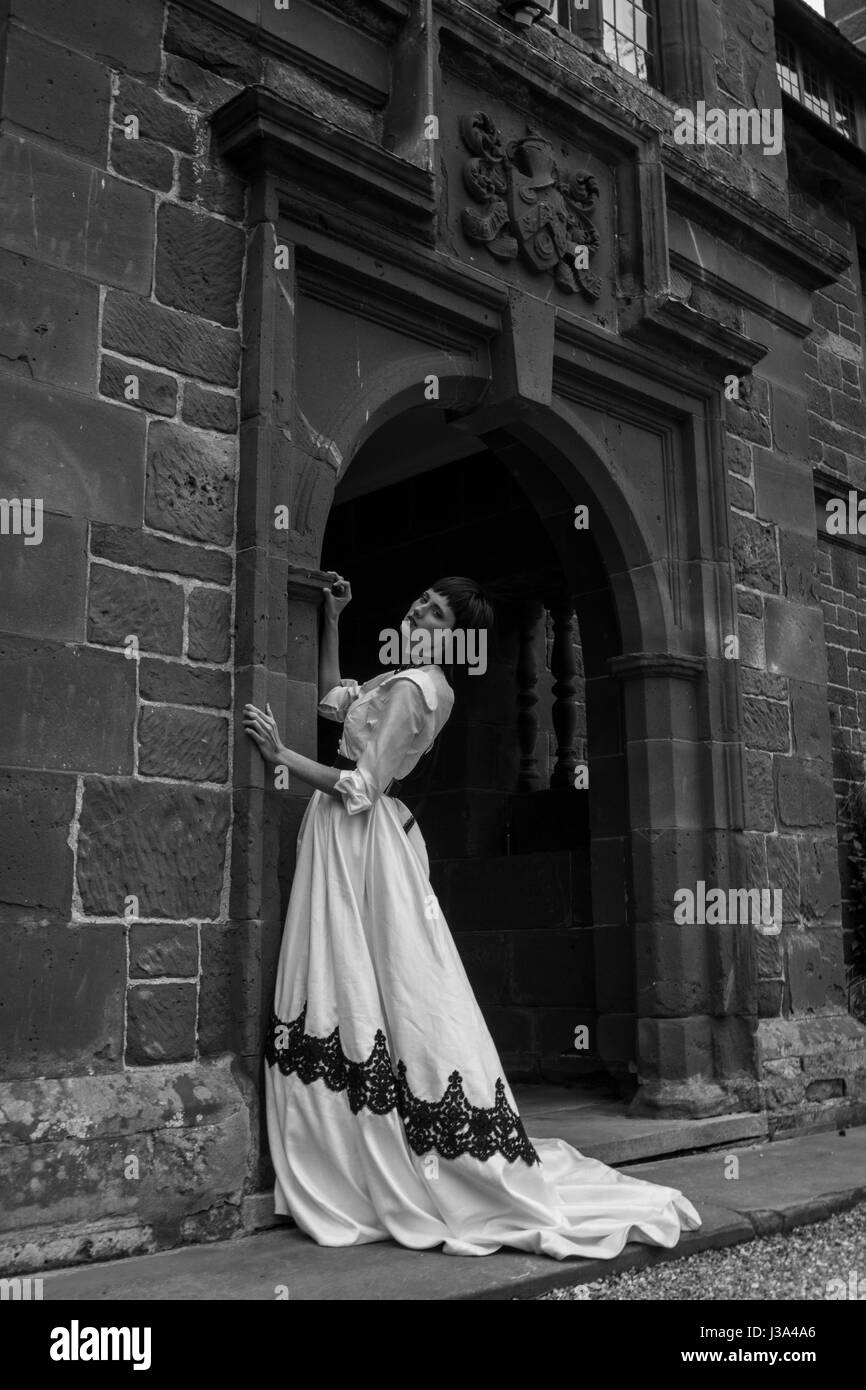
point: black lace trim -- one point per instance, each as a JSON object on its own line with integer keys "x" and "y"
{"x": 452, "y": 1126}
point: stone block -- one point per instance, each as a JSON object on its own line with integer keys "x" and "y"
{"x": 123, "y": 604}
{"x": 199, "y": 261}
{"x": 750, "y": 633}
{"x": 804, "y": 792}
{"x": 790, "y": 422}
{"x": 82, "y": 457}
{"x": 670, "y": 969}
{"x": 58, "y": 94}
{"x": 798, "y": 557}
{"x": 517, "y": 892}
{"x": 164, "y": 122}
{"x": 166, "y": 845}
{"x": 676, "y": 1048}
{"x": 131, "y": 546}
{"x": 143, "y": 161}
{"x": 555, "y": 1030}
{"x": 83, "y": 220}
{"x": 182, "y": 743}
{"x": 212, "y": 187}
{"x": 36, "y": 811}
{"x": 160, "y": 1024}
{"x": 209, "y": 410}
{"x": 616, "y": 1038}
{"x": 157, "y": 950}
{"x": 123, "y": 33}
{"x": 43, "y": 586}
{"x": 553, "y": 967}
{"x": 49, "y": 326}
{"x": 756, "y": 560}
{"x": 819, "y": 877}
{"x": 196, "y": 86}
{"x": 237, "y": 986}
{"x": 795, "y": 640}
{"x": 172, "y": 339}
{"x": 171, "y": 683}
{"x": 61, "y": 998}
{"x": 785, "y": 493}
{"x": 486, "y": 958}
{"x": 513, "y": 1030}
{"x": 190, "y": 484}
{"x": 783, "y": 873}
{"x": 815, "y": 971}
{"x": 211, "y": 46}
{"x": 765, "y": 725}
{"x": 54, "y": 701}
{"x": 209, "y": 625}
{"x": 760, "y": 798}
{"x": 156, "y": 392}
{"x": 810, "y": 720}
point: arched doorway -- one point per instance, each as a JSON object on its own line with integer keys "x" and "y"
{"x": 526, "y": 812}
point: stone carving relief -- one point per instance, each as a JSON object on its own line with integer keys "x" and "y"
{"x": 528, "y": 208}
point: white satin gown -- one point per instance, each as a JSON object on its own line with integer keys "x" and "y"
{"x": 389, "y": 1116}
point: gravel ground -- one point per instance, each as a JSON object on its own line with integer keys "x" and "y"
{"x": 800, "y": 1265}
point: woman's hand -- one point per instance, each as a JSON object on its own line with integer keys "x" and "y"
{"x": 337, "y": 596}
{"x": 263, "y": 728}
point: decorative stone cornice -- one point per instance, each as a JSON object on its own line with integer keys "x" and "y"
{"x": 669, "y": 322}
{"x": 262, "y": 133}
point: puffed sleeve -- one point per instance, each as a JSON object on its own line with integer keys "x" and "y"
{"x": 405, "y": 722}
{"x": 335, "y": 705}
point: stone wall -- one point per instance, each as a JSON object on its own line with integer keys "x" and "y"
{"x": 121, "y": 262}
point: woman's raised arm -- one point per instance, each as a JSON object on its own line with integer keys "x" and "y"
{"x": 336, "y": 598}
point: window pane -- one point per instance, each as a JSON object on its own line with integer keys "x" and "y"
{"x": 609, "y": 11}
{"x": 627, "y": 55}
{"x": 846, "y": 121}
{"x": 815, "y": 92}
{"x": 625, "y": 18}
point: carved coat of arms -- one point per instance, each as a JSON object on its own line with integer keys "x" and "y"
{"x": 527, "y": 207}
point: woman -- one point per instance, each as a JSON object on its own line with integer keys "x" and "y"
{"x": 388, "y": 1112}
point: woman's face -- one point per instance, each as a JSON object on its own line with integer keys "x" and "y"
{"x": 431, "y": 611}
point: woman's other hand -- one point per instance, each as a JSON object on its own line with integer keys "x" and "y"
{"x": 263, "y": 729}
{"x": 337, "y": 596}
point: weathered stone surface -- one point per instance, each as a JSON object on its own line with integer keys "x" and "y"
{"x": 760, "y": 801}
{"x": 124, "y": 604}
{"x": 43, "y": 586}
{"x": 187, "y": 1126}
{"x": 209, "y": 619}
{"x": 164, "y": 844}
{"x": 54, "y": 701}
{"x": 159, "y": 951}
{"x": 171, "y": 339}
{"x": 81, "y": 457}
{"x": 750, "y": 633}
{"x": 212, "y": 186}
{"x": 755, "y": 557}
{"x": 819, "y": 876}
{"x": 211, "y": 46}
{"x": 142, "y": 160}
{"x": 190, "y": 484}
{"x": 765, "y": 725}
{"x": 815, "y": 971}
{"x": 763, "y": 684}
{"x": 129, "y": 546}
{"x": 81, "y": 219}
{"x": 36, "y": 811}
{"x": 749, "y": 416}
{"x": 160, "y": 1024}
{"x": 59, "y": 95}
{"x": 783, "y": 872}
{"x": 164, "y": 122}
{"x": 48, "y": 330}
{"x": 196, "y": 86}
{"x": 798, "y": 558}
{"x": 790, "y": 423}
{"x": 810, "y": 720}
{"x": 48, "y": 1024}
{"x": 157, "y": 393}
{"x": 805, "y": 791}
{"x": 210, "y": 410}
{"x": 123, "y": 32}
{"x": 199, "y": 261}
{"x": 169, "y": 682}
{"x": 795, "y": 640}
{"x": 182, "y": 743}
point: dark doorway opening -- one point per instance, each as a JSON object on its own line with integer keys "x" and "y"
{"x": 516, "y": 847}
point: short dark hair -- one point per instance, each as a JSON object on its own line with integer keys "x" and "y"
{"x": 469, "y": 604}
